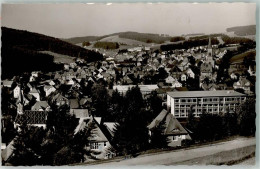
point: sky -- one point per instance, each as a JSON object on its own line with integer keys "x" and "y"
{"x": 75, "y": 20}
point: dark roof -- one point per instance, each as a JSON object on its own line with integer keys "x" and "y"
{"x": 157, "y": 120}
{"x": 74, "y": 103}
{"x": 32, "y": 117}
{"x": 218, "y": 93}
{"x": 172, "y": 125}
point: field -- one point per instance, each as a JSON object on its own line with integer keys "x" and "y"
{"x": 240, "y": 57}
{"x": 59, "y": 58}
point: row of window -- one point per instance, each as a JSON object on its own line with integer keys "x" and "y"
{"x": 205, "y": 105}
{"x": 209, "y": 99}
{"x": 177, "y": 111}
{"x": 96, "y": 145}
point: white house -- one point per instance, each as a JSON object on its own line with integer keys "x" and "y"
{"x": 35, "y": 93}
{"x": 173, "y": 129}
{"x": 190, "y": 73}
{"x": 170, "y": 79}
{"x": 176, "y": 83}
{"x": 48, "y": 90}
{"x": 16, "y": 91}
{"x": 183, "y": 77}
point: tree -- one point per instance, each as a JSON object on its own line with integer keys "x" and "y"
{"x": 75, "y": 150}
{"x": 210, "y": 127}
{"x": 192, "y": 123}
{"x": 131, "y": 133}
{"x": 155, "y": 105}
{"x": 158, "y": 138}
{"x": 100, "y": 99}
{"x": 246, "y": 117}
{"x": 230, "y": 123}
{"x": 24, "y": 153}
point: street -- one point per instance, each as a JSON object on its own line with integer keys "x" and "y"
{"x": 174, "y": 157}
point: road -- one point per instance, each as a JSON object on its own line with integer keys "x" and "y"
{"x": 177, "y": 156}
{"x": 221, "y": 42}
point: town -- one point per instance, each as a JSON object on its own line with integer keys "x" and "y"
{"x": 162, "y": 89}
{"x": 129, "y": 84}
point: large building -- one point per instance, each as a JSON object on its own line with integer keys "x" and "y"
{"x": 221, "y": 101}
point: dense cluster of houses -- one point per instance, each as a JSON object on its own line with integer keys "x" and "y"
{"x": 120, "y": 72}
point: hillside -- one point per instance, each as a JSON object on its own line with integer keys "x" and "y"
{"x": 20, "y": 52}
{"x": 243, "y": 30}
{"x": 135, "y": 36}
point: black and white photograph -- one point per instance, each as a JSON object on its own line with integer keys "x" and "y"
{"x": 128, "y": 84}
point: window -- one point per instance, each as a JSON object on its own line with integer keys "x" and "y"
{"x": 94, "y": 146}
{"x": 177, "y": 100}
{"x": 175, "y": 138}
{"x": 194, "y": 100}
{"x": 183, "y": 100}
{"x": 105, "y": 144}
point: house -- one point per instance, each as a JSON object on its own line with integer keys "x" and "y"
{"x": 74, "y": 103}
{"x": 32, "y": 118}
{"x": 243, "y": 83}
{"x": 41, "y": 106}
{"x": 7, "y": 83}
{"x": 99, "y": 141}
{"x": 176, "y": 83}
{"x": 35, "y": 93}
{"x": 183, "y": 77}
{"x": 32, "y": 78}
{"x": 60, "y": 100}
{"x": 233, "y": 76}
{"x": 190, "y": 73}
{"x": 16, "y": 91}
{"x": 48, "y": 90}
{"x": 252, "y": 70}
{"x": 173, "y": 129}
{"x": 175, "y": 72}
{"x": 35, "y": 74}
{"x": 7, "y": 152}
{"x": 169, "y": 79}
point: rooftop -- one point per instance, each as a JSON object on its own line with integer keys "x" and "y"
{"x": 142, "y": 87}
{"x": 224, "y": 93}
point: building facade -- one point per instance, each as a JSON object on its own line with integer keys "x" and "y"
{"x": 215, "y": 102}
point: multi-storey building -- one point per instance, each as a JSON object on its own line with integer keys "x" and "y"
{"x": 215, "y": 102}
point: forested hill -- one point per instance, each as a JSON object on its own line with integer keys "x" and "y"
{"x": 20, "y": 52}
{"x": 142, "y": 37}
{"x": 243, "y": 30}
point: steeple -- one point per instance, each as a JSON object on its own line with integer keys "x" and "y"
{"x": 209, "y": 45}
{"x": 20, "y": 102}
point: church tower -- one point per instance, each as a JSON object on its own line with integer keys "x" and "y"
{"x": 20, "y": 102}
{"x": 210, "y": 51}
{"x": 209, "y": 58}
